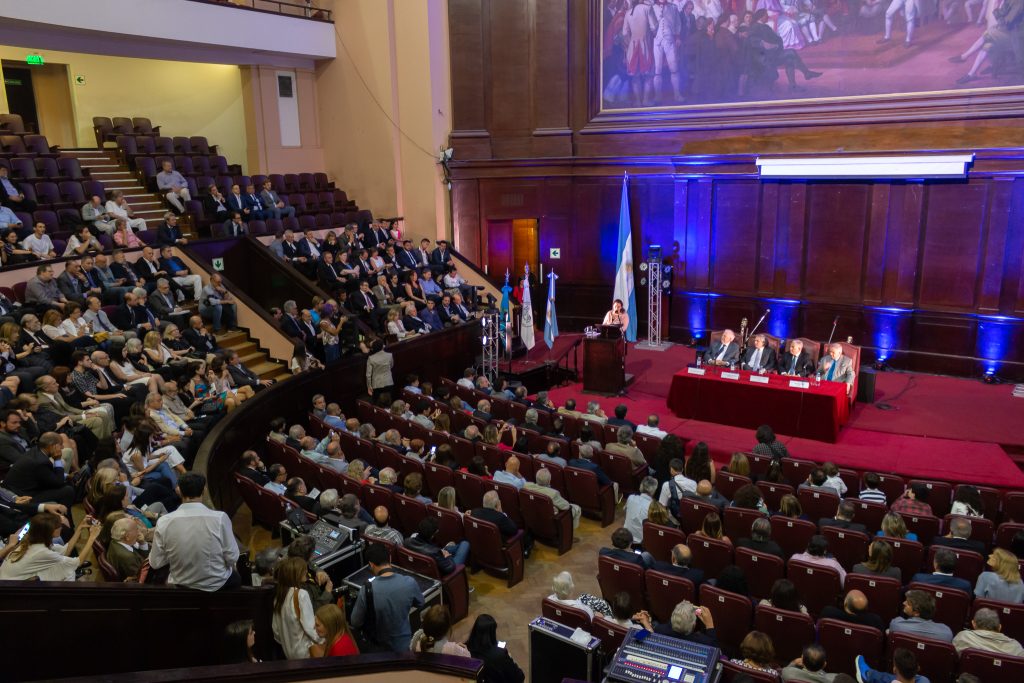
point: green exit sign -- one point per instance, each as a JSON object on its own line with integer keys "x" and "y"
{"x": 34, "y": 60}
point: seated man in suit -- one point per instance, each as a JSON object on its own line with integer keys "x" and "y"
{"x": 447, "y": 558}
{"x": 251, "y": 467}
{"x": 844, "y": 519}
{"x": 542, "y": 486}
{"x": 169, "y": 234}
{"x": 236, "y": 202}
{"x": 759, "y": 356}
{"x": 796, "y": 361}
{"x": 295, "y": 490}
{"x": 680, "y": 565}
{"x": 723, "y": 352}
{"x": 235, "y": 226}
{"x": 122, "y": 553}
{"x": 11, "y": 196}
{"x": 253, "y": 203}
{"x": 243, "y": 376}
{"x": 273, "y": 206}
{"x": 491, "y": 512}
{"x": 943, "y": 565}
{"x": 835, "y": 367}
{"x": 405, "y": 258}
{"x": 621, "y": 550}
{"x": 164, "y": 306}
{"x": 215, "y": 205}
{"x": 959, "y": 537}
{"x": 430, "y": 316}
{"x": 180, "y": 274}
{"x": 40, "y": 473}
{"x": 198, "y": 337}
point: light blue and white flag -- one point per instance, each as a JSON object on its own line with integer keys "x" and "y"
{"x": 550, "y": 320}
{"x": 624, "y": 263}
{"x": 526, "y": 320}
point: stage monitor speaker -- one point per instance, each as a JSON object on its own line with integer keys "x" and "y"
{"x": 866, "y": 385}
{"x": 558, "y": 652}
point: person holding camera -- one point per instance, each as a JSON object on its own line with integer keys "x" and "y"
{"x": 34, "y": 557}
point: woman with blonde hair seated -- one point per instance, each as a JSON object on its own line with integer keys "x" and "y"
{"x": 395, "y": 325}
{"x": 893, "y": 526}
{"x": 1002, "y": 582}
{"x": 658, "y": 514}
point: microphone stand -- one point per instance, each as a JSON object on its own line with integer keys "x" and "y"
{"x": 754, "y": 329}
{"x": 834, "y": 323}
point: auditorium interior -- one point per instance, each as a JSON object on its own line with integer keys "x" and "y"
{"x": 506, "y": 340}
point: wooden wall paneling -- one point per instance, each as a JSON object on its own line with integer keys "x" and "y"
{"x": 698, "y": 252}
{"x": 789, "y": 240}
{"x": 591, "y": 242}
{"x": 1012, "y": 299}
{"x": 470, "y": 230}
{"x": 952, "y": 234}
{"x": 470, "y": 75}
{"x": 675, "y": 248}
{"x": 943, "y": 344}
{"x": 837, "y": 214}
{"x": 500, "y": 253}
{"x": 872, "y": 281}
{"x": 734, "y": 234}
{"x": 769, "y": 221}
{"x": 549, "y": 78}
{"x": 902, "y": 244}
{"x": 510, "y": 37}
{"x": 992, "y": 264}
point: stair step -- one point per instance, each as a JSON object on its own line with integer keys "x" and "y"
{"x": 264, "y": 370}
{"x": 245, "y": 348}
{"x": 253, "y": 357}
{"x": 232, "y": 338}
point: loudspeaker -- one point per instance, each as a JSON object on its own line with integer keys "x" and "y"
{"x": 866, "y": 385}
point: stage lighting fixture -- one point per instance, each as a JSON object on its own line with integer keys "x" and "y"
{"x": 990, "y": 377}
{"x": 917, "y": 166}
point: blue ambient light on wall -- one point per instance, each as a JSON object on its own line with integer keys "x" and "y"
{"x": 887, "y": 324}
{"x": 781, "y": 319}
{"x": 697, "y": 312}
{"x": 994, "y": 333}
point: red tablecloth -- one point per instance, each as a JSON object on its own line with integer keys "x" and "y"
{"x": 813, "y": 413}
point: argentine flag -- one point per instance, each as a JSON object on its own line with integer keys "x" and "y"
{"x": 526, "y": 320}
{"x": 624, "y": 263}
{"x": 550, "y": 321}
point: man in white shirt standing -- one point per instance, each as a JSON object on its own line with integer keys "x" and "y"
{"x": 197, "y": 542}
{"x": 652, "y": 428}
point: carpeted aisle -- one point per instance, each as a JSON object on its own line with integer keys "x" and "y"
{"x": 943, "y": 428}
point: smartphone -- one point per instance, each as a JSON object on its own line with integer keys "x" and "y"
{"x": 24, "y": 530}
{"x": 501, "y": 644}
{"x": 433, "y": 450}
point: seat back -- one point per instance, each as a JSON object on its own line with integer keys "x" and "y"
{"x": 491, "y": 552}
{"x": 566, "y": 615}
{"x": 71, "y": 191}
{"x": 936, "y": 660}
{"x": 408, "y": 513}
{"x": 71, "y": 168}
{"x": 988, "y": 666}
{"x": 108, "y": 570}
{"x": 818, "y": 586}
{"x": 853, "y": 353}
{"x": 792, "y": 534}
{"x": 982, "y": 528}
{"x": 583, "y": 489}
{"x": 608, "y": 632}
{"x": 891, "y": 484}
{"x": 789, "y": 630}
{"x": 183, "y": 145}
{"x": 692, "y": 513}
{"x": 551, "y": 526}
{"x": 449, "y": 525}
{"x": 470, "y": 490}
{"x": 773, "y": 493}
{"x": 762, "y": 570}
{"x": 200, "y": 145}
{"x": 969, "y": 564}
{"x": 47, "y": 168}
{"x": 615, "y": 576}
{"x": 436, "y": 477}
{"x": 1013, "y": 507}
{"x": 374, "y": 495}
{"x": 23, "y": 169}
{"x": 1006, "y": 532}
{"x": 123, "y": 125}
{"x": 12, "y": 123}
{"x": 907, "y": 555}
{"x": 732, "y": 615}
{"x": 1011, "y": 616}
{"x": 665, "y": 591}
{"x": 738, "y": 521}
{"x": 709, "y": 554}
{"x": 813, "y": 349}
{"x": 659, "y": 540}
{"x": 843, "y": 641}
{"x": 848, "y": 547}
{"x": 728, "y": 484}
{"x": 817, "y": 503}
{"x": 868, "y": 513}
{"x": 883, "y": 593}
{"x": 621, "y": 469}
{"x": 925, "y": 526}
{"x": 267, "y": 507}
{"x": 796, "y": 471}
{"x": 732, "y": 671}
{"x": 940, "y": 494}
{"x": 952, "y": 606}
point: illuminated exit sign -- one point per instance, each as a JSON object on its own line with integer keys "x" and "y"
{"x": 34, "y": 60}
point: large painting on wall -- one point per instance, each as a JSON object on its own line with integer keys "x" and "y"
{"x": 681, "y": 53}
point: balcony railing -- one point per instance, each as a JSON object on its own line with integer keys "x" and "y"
{"x": 302, "y": 10}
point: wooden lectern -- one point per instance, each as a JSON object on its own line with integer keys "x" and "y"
{"x": 604, "y": 364}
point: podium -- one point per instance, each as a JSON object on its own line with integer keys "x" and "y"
{"x": 604, "y": 365}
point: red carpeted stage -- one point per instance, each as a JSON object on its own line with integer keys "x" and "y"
{"x": 939, "y": 427}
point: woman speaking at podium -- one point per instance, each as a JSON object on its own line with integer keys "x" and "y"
{"x": 617, "y": 316}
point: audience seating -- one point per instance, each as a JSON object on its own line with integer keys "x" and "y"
{"x": 762, "y": 570}
{"x": 573, "y": 617}
{"x": 952, "y": 606}
{"x": 709, "y": 554}
{"x": 732, "y": 614}
{"x": 848, "y": 547}
{"x": 608, "y": 632}
{"x": 454, "y": 585}
{"x": 789, "y": 631}
{"x": 935, "y": 659}
{"x": 773, "y": 493}
{"x": 843, "y": 641}
{"x": 583, "y": 489}
{"x": 692, "y": 513}
{"x": 906, "y": 554}
{"x": 731, "y": 671}
{"x": 489, "y": 551}
{"x": 665, "y": 591}
{"x": 728, "y": 483}
{"x": 615, "y": 577}
{"x": 969, "y": 565}
{"x": 991, "y": 667}
{"x": 883, "y": 593}
{"x": 450, "y": 525}
{"x": 817, "y": 586}
{"x": 552, "y": 529}
{"x": 737, "y": 521}
{"x": 792, "y": 534}
{"x": 659, "y": 540}
{"x": 817, "y": 504}
{"x": 1011, "y": 616}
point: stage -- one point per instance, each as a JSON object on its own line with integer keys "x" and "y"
{"x": 938, "y": 427}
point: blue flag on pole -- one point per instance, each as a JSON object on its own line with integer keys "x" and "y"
{"x": 624, "y": 263}
{"x": 550, "y": 321}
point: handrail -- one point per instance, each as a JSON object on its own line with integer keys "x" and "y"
{"x": 300, "y": 11}
{"x": 574, "y": 348}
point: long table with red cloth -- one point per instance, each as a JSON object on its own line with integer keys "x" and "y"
{"x": 816, "y": 412}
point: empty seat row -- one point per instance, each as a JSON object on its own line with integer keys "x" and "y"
{"x": 107, "y": 129}
{"x": 26, "y": 168}
{"x": 26, "y": 146}
{"x": 147, "y": 145}
{"x": 63, "y": 195}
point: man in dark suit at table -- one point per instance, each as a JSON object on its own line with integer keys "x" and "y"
{"x": 723, "y": 352}
{"x": 759, "y": 356}
{"x": 796, "y": 361}
{"x": 835, "y": 367}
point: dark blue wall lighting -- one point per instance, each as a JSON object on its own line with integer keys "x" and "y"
{"x": 783, "y": 318}
{"x": 994, "y": 334}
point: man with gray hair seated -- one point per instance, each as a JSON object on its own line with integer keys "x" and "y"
{"x": 544, "y": 488}
{"x": 563, "y": 590}
{"x": 585, "y": 461}
{"x": 531, "y": 421}
{"x": 959, "y": 537}
{"x": 491, "y": 512}
{"x": 594, "y": 413}
{"x": 683, "y": 624}
{"x": 760, "y": 540}
{"x": 309, "y": 450}
{"x": 835, "y": 367}
{"x": 626, "y": 446}
{"x": 637, "y": 507}
{"x": 986, "y": 634}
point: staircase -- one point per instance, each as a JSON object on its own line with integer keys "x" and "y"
{"x": 254, "y": 359}
{"x": 104, "y": 166}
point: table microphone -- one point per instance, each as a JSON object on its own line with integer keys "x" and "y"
{"x": 835, "y": 322}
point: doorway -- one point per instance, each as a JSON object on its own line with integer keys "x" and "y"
{"x": 21, "y": 98}
{"x": 511, "y": 245}
{"x": 41, "y": 95}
